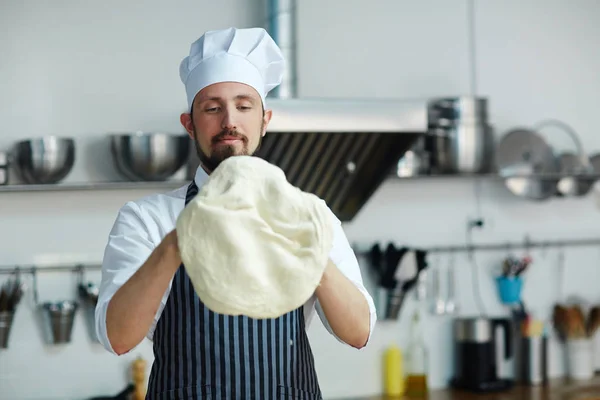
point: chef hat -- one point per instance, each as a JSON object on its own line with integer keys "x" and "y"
{"x": 247, "y": 56}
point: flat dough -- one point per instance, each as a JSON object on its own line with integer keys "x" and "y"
{"x": 252, "y": 243}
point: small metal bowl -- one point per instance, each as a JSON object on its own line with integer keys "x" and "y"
{"x": 44, "y": 160}
{"x": 147, "y": 156}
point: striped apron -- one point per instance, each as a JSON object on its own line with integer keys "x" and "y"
{"x": 199, "y": 354}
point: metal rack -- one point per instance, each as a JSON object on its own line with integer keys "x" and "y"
{"x": 169, "y": 184}
{"x": 526, "y": 244}
{"x": 6, "y": 270}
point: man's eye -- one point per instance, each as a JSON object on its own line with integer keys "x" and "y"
{"x": 212, "y": 109}
{"x": 244, "y": 107}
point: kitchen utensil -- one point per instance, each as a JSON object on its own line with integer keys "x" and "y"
{"x": 532, "y": 352}
{"x": 522, "y": 156}
{"x": 3, "y": 168}
{"x": 573, "y": 183}
{"x": 44, "y": 160}
{"x": 6, "y": 320}
{"x": 576, "y": 168}
{"x": 451, "y": 307}
{"x": 88, "y": 295}
{"x": 406, "y": 272}
{"x": 58, "y": 319}
{"x": 55, "y": 318}
{"x": 476, "y": 365}
{"x": 147, "y": 156}
{"x": 439, "y": 305}
{"x": 414, "y": 162}
{"x": 461, "y": 139}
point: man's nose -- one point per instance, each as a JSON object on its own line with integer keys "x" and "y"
{"x": 228, "y": 120}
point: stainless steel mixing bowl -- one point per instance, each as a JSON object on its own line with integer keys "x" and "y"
{"x": 148, "y": 156}
{"x": 44, "y": 160}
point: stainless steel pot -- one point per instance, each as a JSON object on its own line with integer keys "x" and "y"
{"x": 463, "y": 148}
{"x": 460, "y": 140}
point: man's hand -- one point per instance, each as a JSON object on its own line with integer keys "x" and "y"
{"x": 345, "y": 307}
{"x": 132, "y": 309}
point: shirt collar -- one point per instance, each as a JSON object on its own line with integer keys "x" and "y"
{"x": 201, "y": 176}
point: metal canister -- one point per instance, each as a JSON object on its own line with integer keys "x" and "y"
{"x": 461, "y": 140}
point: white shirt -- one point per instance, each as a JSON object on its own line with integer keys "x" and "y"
{"x": 141, "y": 225}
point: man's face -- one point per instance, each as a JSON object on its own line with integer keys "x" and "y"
{"x": 227, "y": 120}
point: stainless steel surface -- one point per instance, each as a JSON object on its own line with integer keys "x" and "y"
{"x": 342, "y": 168}
{"x": 281, "y": 25}
{"x": 6, "y": 320}
{"x": 57, "y": 319}
{"x": 502, "y": 246}
{"x": 464, "y": 108}
{"x": 571, "y": 164}
{"x": 462, "y": 140}
{"x": 524, "y": 152}
{"x": 147, "y": 156}
{"x": 466, "y": 147}
{"x": 451, "y": 306}
{"x": 478, "y": 330}
{"x": 161, "y": 185}
{"x": 414, "y": 162}
{"x": 439, "y": 305}
{"x": 348, "y": 115}
{"x": 44, "y": 160}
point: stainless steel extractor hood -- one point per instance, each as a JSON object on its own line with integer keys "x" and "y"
{"x": 341, "y": 149}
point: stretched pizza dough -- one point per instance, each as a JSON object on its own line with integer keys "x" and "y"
{"x": 253, "y": 244}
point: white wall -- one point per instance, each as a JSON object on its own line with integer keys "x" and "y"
{"x": 86, "y": 69}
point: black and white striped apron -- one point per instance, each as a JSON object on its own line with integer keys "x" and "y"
{"x": 199, "y": 354}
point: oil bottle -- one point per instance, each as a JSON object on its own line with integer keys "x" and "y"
{"x": 417, "y": 362}
{"x": 394, "y": 379}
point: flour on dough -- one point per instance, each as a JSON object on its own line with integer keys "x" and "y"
{"x": 252, "y": 243}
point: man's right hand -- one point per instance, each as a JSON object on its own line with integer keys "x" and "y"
{"x": 132, "y": 309}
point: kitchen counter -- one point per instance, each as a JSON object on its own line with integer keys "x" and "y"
{"x": 558, "y": 389}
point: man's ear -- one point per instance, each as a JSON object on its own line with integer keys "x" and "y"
{"x": 186, "y": 122}
{"x": 266, "y": 119}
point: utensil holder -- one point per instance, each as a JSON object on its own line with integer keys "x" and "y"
{"x": 509, "y": 289}
{"x": 533, "y": 360}
{"x": 6, "y": 320}
{"x": 596, "y": 349}
{"x": 579, "y": 359}
{"x": 58, "y": 321}
{"x": 55, "y": 318}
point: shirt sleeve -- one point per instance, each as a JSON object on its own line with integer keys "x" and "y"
{"x": 345, "y": 260}
{"x": 129, "y": 246}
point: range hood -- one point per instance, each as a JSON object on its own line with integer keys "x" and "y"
{"x": 338, "y": 149}
{"x": 341, "y": 149}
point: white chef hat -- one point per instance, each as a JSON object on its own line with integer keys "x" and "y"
{"x": 247, "y": 56}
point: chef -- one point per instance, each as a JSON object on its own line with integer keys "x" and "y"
{"x": 145, "y": 291}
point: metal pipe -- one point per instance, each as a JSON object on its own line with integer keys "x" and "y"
{"x": 525, "y": 245}
{"x": 6, "y": 270}
{"x": 281, "y": 25}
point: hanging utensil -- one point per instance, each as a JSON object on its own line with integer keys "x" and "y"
{"x": 439, "y": 305}
{"x": 576, "y": 168}
{"x": 522, "y": 157}
{"x": 451, "y": 306}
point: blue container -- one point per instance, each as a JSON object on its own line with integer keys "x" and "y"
{"x": 509, "y": 288}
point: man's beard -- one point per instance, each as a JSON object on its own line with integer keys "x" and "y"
{"x": 221, "y": 152}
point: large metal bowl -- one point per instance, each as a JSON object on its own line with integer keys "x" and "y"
{"x": 147, "y": 156}
{"x": 44, "y": 160}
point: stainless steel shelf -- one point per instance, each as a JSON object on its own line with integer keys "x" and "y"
{"x": 492, "y": 175}
{"x": 164, "y": 185}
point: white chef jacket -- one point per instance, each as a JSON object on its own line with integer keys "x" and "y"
{"x": 142, "y": 224}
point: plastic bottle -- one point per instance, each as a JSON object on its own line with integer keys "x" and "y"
{"x": 394, "y": 379}
{"x": 416, "y": 380}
